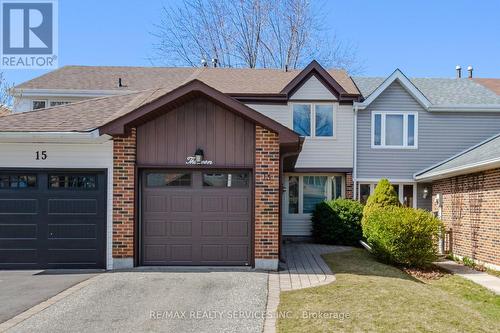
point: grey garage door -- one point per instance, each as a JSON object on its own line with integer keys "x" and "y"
{"x": 52, "y": 219}
{"x": 196, "y": 217}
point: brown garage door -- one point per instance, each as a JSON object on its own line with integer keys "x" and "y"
{"x": 196, "y": 217}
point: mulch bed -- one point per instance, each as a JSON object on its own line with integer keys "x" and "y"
{"x": 430, "y": 273}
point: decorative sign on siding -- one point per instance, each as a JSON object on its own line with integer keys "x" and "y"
{"x": 198, "y": 158}
{"x": 192, "y": 160}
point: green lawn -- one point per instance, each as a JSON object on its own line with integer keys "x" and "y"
{"x": 373, "y": 297}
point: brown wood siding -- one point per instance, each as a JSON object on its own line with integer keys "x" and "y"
{"x": 227, "y": 139}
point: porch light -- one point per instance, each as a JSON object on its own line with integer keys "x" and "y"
{"x": 198, "y": 155}
{"x": 425, "y": 193}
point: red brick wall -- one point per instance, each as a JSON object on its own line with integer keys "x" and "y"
{"x": 124, "y": 156}
{"x": 471, "y": 210}
{"x": 349, "y": 185}
{"x": 267, "y": 193}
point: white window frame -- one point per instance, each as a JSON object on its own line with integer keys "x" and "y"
{"x": 383, "y": 115}
{"x": 400, "y": 190}
{"x": 312, "y": 130}
{"x": 329, "y": 191}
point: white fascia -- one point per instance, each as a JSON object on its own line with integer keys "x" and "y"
{"x": 67, "y": 92}
{"x": 54, "y": 137}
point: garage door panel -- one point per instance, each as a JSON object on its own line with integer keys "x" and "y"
{"x": 205, "y": 223}
{"x": 180, "y": 252}
{"x": 181, "y": 204}
{"x": 212, "y": 204}
{"x": 53, "y": 224}
{"x": 18, "y": 231}
{"x": 18, "y": 206}
{"x": 72, "y": 207}
{"x": 238, "y": 228}
{"x": 72, "y": 231}
{"x": 237, "y": 252}
{"x": 156, "y": 228}
{"x": 9, "y": 257}
{"x": 180, "y": 228}
{"x": 156, "y": 204}
{"x": 72, "y": 256}
{"x": 155, "y": 254}
{"x": 239, "y": 204}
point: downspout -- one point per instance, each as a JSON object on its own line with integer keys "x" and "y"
{"x": 355, "y": 149}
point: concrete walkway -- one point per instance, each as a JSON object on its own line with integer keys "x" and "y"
{"x": 484, "y": 279}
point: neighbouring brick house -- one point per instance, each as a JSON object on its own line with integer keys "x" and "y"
{"x": 466, "y": 196}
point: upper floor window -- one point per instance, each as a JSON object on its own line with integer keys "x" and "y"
{"x": 42, "y": 104}
{"x": 57, "y": 103}
{"x": 39, "y": 105}
{"x": 313, "y": 120}
{"x": 394, "y": 129}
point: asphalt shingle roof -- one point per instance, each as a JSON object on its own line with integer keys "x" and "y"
{"x": 439, "y": 91}
{"x": 484, "y": 152}
{"x": 226, "y": 80}
{"x": 82, "y": 116}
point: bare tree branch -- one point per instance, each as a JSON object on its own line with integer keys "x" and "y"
{"x": 250, "y": 33}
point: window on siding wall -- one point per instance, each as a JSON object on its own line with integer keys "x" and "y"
{"x": 314, "y": 120}
{"x": 302, "y": 119}
{"x": 394, "y": 130}
{"x": 39, "y": 105}
{"x": 405, "y": 193}
{"x": 324, "y": 120}
{"x": 305, "y": 192}
{"x": 57, "y": 103}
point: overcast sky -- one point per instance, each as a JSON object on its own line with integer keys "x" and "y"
{"x": 425, "y": 38}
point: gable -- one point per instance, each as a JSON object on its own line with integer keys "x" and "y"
{"x": 395, "y": 98}
{"x": 396, "y": 77}
{"x": 226, "y": 138}
{"x": 313, "y": 89}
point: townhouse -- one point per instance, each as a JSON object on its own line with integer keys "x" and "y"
{"x": 121, "y": 166}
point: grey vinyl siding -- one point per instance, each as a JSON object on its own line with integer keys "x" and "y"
{"x": 427, "y": 202}
{"x": 319, "y": 152}
{"x": 440, "y": 136}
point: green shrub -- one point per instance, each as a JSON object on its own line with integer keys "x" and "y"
{"x": 384, "y": 195}
{"x": 401, "y": 235}
{"x": 338, "y": 222}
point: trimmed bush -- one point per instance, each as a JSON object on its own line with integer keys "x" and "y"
{"x": 383, "y": 195}
{"x": 338, "y": 222}
{"x": 403, "y": 236}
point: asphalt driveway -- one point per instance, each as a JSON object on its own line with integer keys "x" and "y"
{"x": 20, "y": 290}
{"x": 138, "y": 301}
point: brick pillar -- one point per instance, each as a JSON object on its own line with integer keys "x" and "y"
{"x": 124, "y": 156}
{"x": 349, "y": 186}
{"x": 267, "y": 195}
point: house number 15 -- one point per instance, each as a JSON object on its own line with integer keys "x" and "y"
{"x": 41, "y": 155}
